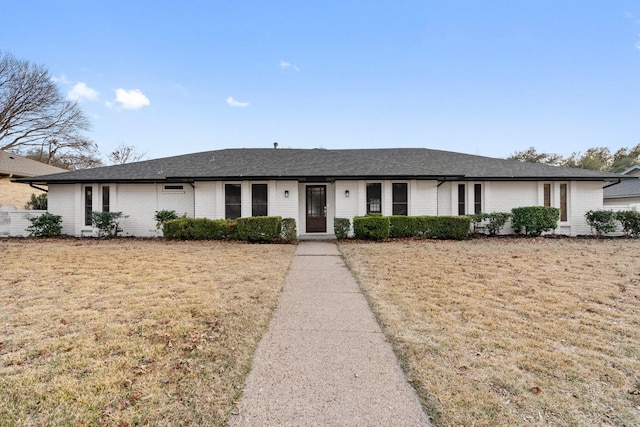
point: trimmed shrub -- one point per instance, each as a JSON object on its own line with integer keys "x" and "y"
{"x": 198, "y": 229}
{"x": 289, "y": 230}
{"x": 232, "y": 229}
{"x": 451, "y": 227}
{"x": 534, "y": 220}
{"x": 477, "y": 220}
{"x": 260, "y": 228}
{"x": 163, "y": 216}
{"x": 107, "y": 223}
{"x": 630, "y": 221}
{"x": 601, "y": 221}
{"x": 403, "y": 226}
{"x": 493, "y": 222}
{"x": 341, "y": 227}
{"x": 496, "y": 221}
{"x": 45, "y": 225}
{"x": 37, "y": 203}
{"x": 433, "y": 227}
{"x": 371, "y": 227}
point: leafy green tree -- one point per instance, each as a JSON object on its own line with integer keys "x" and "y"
{"x": 597, "y": 158}
{"x": 531, "y": 155}
{"x": 37, "y": 203}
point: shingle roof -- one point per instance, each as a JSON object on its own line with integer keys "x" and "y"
{"x": 626, "y": 188}
{"x": 312, "y": 164}
{"x": 17, "y": 166}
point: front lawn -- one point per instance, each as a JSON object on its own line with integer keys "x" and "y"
{"x": 512, "y": 331}
{"x": 131, "y": 332}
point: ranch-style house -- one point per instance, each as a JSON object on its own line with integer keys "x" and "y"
{"x": 314, "y": 186}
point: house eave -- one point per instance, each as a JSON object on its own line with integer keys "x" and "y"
{"x": 311, "y": 178}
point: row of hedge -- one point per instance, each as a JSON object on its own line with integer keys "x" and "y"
{"x": 252, "y": 229}
{"x": 528, "y": 220}
{"x": 607, "y": 221}
{"x": 381, "y": 227}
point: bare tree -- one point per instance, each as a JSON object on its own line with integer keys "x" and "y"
{"x": 125, "y": 154}
{"x": 35, "y": 116}
{"x": 82, "y": 155}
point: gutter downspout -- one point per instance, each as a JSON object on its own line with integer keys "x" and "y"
{"x": 614, "y": 183}
{"x": 194, "y": 198}
{"x": 37, "y": 188}
{"x": 440, "y": 182}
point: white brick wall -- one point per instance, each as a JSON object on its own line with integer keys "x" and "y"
{"x": 503, "y": 196}
{"x": 583, "y": 197}
{"x": 61, "y": 200}
{"x": 14, "y": 223}
{"x": 139, "y": 202}
{"x": 622, "y": 203}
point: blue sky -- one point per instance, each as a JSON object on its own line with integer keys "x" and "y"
{"x": 488, "y": 78}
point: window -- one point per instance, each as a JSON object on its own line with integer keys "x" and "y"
{"x": 88, "y": 204}
{"x": 232, "y": 201}
{"x": 477, "y": 198}
{"x": 462, "y": 209}
{"x": 374, "y": 198}
{"x": 173, "y": 187}
{"x": 105, "y": 198}
{"x": 259, "y": 200}
{"x": 400, "y": 199}
{"x": 547, "y": 195}
{"x": 563, "y": 202}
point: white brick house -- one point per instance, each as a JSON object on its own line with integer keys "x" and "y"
{"x": 315, "y": 186}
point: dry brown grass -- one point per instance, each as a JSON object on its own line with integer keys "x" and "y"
{"x": 131, "y": 332}
{"x": 512, "y": 331}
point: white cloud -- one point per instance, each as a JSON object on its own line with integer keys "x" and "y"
{"x": 131, "y": 99}
{"x": 235, "y": 103}
{"x": 286, "y": 64}
{"x": 637, "y": 45}
{"x": 62, "y": 79}
{"x": 82, "y": 92}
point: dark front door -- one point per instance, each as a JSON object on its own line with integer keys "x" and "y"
{"x": 317, "y": 209}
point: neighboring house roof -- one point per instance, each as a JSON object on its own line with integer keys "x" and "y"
{"x": 632, "y": 171}
{"x": 321, "y": 164}
{"x": 16, "y": 166}
{"x": 626, "y": 188}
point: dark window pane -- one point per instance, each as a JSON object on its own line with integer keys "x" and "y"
{"x": 477, "y": 198}
{"x": 88, "y": 204}
{"x": 232, "y": 211}
{"x": 400, "y": 198}
{"x": 105, "y": 198}
{"x": 232, "y": 201}
{"x": 374, "y": 198}
{"x": 563, "y": 202}
{"x": 259, "y": 200}
{"x": 462, "y": 209}
{"x": 547, "y": 194}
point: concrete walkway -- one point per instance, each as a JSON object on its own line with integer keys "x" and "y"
{"x": 324, "y": 360}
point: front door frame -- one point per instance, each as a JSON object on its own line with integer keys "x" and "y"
{"x": 316, "y": 208}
